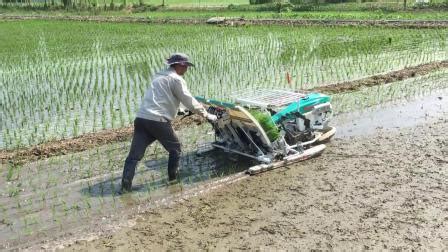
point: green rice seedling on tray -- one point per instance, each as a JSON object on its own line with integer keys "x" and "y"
{"x": 265, "y": 120}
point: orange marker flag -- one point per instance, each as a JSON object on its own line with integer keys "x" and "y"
{"x": 288, "y": 78}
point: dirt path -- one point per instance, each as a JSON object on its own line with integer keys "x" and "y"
{"x": 380, "y": 79}
{"x": 240, "y": 21}
{"x": 387, "y": 191}
{"x": 87, "y": 141}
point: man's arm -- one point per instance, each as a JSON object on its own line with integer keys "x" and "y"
{"x": 182, "y": 93}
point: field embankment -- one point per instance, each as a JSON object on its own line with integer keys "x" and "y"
{"x": 239, "y": 21}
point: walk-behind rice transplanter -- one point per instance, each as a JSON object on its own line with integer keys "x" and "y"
{"x": 274, "y": 127}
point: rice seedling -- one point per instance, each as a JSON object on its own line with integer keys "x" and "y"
{"x": 407, "y": 89}
{"x": 63, "y": 88}
{"x": 50, "y": 95}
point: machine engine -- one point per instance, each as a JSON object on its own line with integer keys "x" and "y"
{"x": 300, "y": 127}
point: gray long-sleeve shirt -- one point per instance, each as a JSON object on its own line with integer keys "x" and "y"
{"x": 161, "y": 101}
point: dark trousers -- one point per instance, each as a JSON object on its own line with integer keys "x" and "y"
{"x": 145, "y": 133}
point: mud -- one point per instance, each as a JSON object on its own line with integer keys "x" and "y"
{"x": 384, "y": 190}
{"x": 241, "y": 21}
{"x": 69, "y": 195}
{"x": 88, "y": 141}
{"x": 58, "y": 201}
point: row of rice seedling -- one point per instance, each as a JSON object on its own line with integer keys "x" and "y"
{"x": 406, "y": 89}
{"x": 68, "y": 191}
{"x": 50, "y": 95}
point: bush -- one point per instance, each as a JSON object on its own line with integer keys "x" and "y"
{"x": 260, "y": 1}
{"x": 305, "y": 7}
{"x": 232, "y": 7}
{"x": 437, "y": 6}
{"x": 141, "y": 7}
{"x": 342, "y": 1}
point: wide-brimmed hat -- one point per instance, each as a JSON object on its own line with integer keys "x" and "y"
{"x": 179, "y": 58}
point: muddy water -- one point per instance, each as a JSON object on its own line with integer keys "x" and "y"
{"x": 71, "y": 193}
{"x": 74, "y": 196}
{"x": 383, "y": 191}
{"x": 370, "y": 192}
{"x": 393, "y": 115}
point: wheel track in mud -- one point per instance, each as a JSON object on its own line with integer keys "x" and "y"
{"x": 239, "y": 21}
{"x": 91, "y": 140}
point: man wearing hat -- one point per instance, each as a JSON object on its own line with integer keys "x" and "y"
{"x": 153, "y": 121}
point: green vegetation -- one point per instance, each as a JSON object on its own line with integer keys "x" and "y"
{"x": 407, "y": 89}
{"x": 243, "y": 4}
{"x": 68, "y": 78}
{"x": 327, "y": 9}
{"x": 267, "y": 124}
{"x": 62, "y": 79}
{"x": 196, "y": 3}
{"x": 73, "y": 189}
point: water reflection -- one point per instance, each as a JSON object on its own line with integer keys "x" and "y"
{"x": 152, "y": 176}
{"x": 393, "y": 115}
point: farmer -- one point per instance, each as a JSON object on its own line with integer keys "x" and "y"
{"x": 153, "y": 121}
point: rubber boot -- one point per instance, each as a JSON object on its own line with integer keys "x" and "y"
{"x": 128, "y": 174}
{"x": 173, "y": 165}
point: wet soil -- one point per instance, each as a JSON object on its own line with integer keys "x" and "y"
{"x": 385, "y": 190}
{"x": 60, "y": 200}
{"x": 69, "y": 195}
{"x": 242, "y": 21}
{"x": 88, "y": 141}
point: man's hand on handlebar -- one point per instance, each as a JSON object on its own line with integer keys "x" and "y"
{"x": 212, "y": 117}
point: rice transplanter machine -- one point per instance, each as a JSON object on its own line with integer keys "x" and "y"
{"x": 274, "y": 127}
